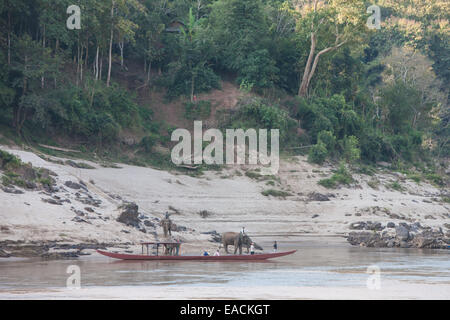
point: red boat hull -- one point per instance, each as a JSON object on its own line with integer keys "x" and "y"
{"x": 245, "y": 257}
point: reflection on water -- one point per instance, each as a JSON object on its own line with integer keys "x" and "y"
{"x": 313, "y": 265}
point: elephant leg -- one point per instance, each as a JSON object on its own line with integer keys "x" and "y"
{"x": 240, "y": 249}
{"x": 226, "y": 248}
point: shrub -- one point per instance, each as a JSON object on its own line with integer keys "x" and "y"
{"x": 318, "y": 153}
{"x": 149, "y": 142}
{"x": 435, "y": 178}
{"x": 341, "y": 176}
{"x": 373, "y": 183}
{"x": 351, "y": 151}
{"x": 396, "y": 186}
{"x": 276, "y": 193}
{"x": 328, "y": 139}
{"x": 197, "y": 111}
{"x": 9, "y": 161}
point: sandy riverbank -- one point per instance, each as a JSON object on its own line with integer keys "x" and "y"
{"x": 233, "y": 200}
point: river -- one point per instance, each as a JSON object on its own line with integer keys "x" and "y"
{"x": 322, "y": 268}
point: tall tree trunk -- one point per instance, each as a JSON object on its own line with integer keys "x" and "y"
{"x": 81, "y": 65}
{"x": 303, "y": 90}
{"x": 78, "y": 60}
{"x": 43, "y": 46}
{"x": 310, "y": 70}
{"x": 9, "y": 37}
{"x": 96, "y": 64}
{"x": 121, "y": 45}
{"x": 101, "y": 66}
{"x": 192, "y": 87}
{"x": 110, "y": 46}
{"x": 149, "y": 72}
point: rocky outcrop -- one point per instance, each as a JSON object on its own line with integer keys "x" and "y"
{"x": 215, "y": 236}
{"x": 130, "y": 215}
{"x": 402, "y": 236}
{"x": 12, "y": 190}
{"x": 51, "y": 249}
{"x": 4, "y": 254}
{"x": 369, "y": 225}
{"x": 315, "y": 196}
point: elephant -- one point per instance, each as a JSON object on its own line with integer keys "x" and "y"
{"x": 168, "y": 227}
{"x": 172, "y": 249}
{"x": 237, "y": 240}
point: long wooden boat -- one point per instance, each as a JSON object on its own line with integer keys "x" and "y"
{"x": 233, "y": 257}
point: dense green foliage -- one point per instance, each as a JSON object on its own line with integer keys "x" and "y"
{"x": 323, "y": 78}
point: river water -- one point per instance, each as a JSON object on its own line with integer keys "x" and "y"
{"x": 319, "y": 264}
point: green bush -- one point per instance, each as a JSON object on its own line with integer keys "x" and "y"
{"x": 9, "y": 161}
{"x": 258, "y": 113}
{"x": 351, "y": 151}
{"x": 318, "y": 153}
{"x": 435, "y": 179}
{"x": 328, "y": 139}
{"x": 341, "y": 176}
{"x": 197, "y": 111}
{"x": 276, "y": 193}
{"x": 149, "y": 142}
{"x": 396, "y": 186}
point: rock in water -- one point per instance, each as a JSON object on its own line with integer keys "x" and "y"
{"x": 4, "y": 254}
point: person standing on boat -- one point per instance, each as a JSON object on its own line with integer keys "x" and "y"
{"x": 206, "y": 253}
{"x": 177, "y": 247}
{"x": 217, "y": 253}
{"x": 275, "y": 246}
{"x": 252, "y": 248}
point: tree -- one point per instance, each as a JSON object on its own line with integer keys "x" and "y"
{"x": 32, "y": 63}
{"x": 240, "y": 30}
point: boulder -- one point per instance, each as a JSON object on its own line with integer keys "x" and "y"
{"x": 130, "y": 215}
{"x": 360, "y": 225}
{"x": 12, "y": 190}
{"x": 73, "y": 185}
{"x": 402, "y": 233}
{"x": 4, "y": 254}
{"x": 367, "y": 239}
{"x": 374, "y": 226}
{"x": 315, "y": 196}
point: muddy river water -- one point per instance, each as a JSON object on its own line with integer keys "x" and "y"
{"x": 321, "y": 268}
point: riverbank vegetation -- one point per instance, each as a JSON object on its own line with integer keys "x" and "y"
{"x": 336, "y": 89}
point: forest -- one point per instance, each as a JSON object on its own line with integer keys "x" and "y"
{"x": 311, "y": 68}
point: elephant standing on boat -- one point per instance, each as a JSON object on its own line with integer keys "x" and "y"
{"x": 172, "y": 249}
{"x": 237, "y": 240}
{"x": 168, "y": 226}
